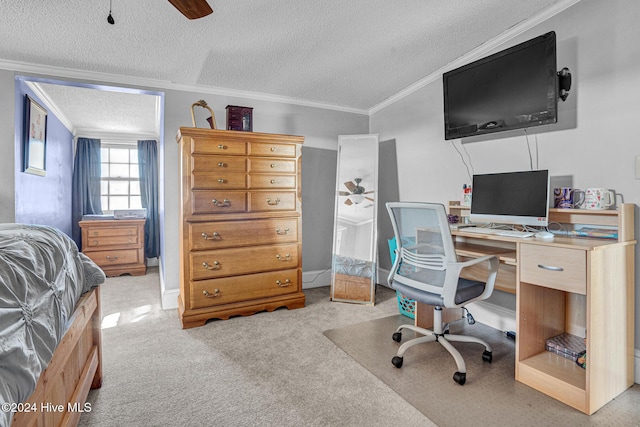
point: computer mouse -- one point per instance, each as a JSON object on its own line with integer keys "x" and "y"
{"x": 545, "y": 235}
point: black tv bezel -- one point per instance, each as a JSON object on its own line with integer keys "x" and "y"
{"x": 472, "y": 130}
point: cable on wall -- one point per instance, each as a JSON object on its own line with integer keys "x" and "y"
{"x": 462, "y": 158}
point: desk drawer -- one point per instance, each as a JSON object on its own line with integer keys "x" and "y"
{"x": 218, "y": 146}
{"x": 272, "y": 181}
{"x": 558, "y": 268}
{"x": 271, "y": 201}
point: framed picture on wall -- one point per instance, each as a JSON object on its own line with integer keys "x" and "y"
{"x": 35, "y": 138}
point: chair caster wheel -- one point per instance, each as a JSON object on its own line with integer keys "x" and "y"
{"x": 487, "y": 356}
{"x": 397, "y": 362}
{"x": 397, "y": 336}
{"x": 460, "y": 377}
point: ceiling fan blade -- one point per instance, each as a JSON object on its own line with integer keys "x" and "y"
{"x": 192, "y": 9}
{"x": 368, "y": 192}
{"x": 348, "y": 202}
{"x": 369, "y": 198}
{"x": 344, "y": 193}
{"x": 350, "y": 186}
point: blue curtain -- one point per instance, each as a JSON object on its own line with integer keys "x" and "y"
{"x": 85, "y": 198}
{"x": 148, "y": 163}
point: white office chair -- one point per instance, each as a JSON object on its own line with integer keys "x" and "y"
{"x": 427, "y": 270}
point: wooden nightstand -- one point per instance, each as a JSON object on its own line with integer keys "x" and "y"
{"x": 117, "y": 246}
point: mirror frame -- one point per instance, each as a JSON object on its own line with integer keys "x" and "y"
{"x": 356, "y": 288}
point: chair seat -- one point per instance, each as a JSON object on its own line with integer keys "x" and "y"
{"x": 467, "y": 290}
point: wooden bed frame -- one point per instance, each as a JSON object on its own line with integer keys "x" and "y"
{"x": 61, "y": 392}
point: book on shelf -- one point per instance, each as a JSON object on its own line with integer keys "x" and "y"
{"x": 599, "y": 232}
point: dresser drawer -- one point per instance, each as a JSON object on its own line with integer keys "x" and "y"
{"x": 218, "y": 163}
{"x": 271, "y": 166}
{"x": 263, "y": 201}
{"x": 213, "y": 235}
{"x": 272, "y": 181}
{"x": 114, "y": 257}
{"x": 235, "y": 261}
{"x": 218, "y": 180}
{"x": 215, "y": 202}
{"x": 552, "y": 267}
{"x": 262, "y": 149}
{"x": 207, "y": 293}
{"x": 218, "y": 146}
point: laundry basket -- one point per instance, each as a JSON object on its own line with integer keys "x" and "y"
{"x": 407, "y": 306}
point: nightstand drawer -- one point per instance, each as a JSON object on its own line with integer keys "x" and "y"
{"x": 114, "y": 257}
{"x": 111, "y": 231}
{"x": 102, "y": 241}
{"x": 207, "y": 293}
{"x": 552, "y": 267}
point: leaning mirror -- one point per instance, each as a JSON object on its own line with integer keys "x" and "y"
{"x": 353, "y": 277}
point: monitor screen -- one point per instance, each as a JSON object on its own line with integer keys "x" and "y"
{"x": 512, "y": 89}
{"x": 511, "y": 198}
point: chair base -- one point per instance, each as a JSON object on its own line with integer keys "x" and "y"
{"x": 438, "y": 335}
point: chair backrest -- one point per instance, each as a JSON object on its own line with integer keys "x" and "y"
{"x": 424, "y": 243}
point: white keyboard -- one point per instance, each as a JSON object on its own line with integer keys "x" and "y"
{"x": 499, "y": 232}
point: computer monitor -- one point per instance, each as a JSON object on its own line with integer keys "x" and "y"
{"x": 520, "y": 198}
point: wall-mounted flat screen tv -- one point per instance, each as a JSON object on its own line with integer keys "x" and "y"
{"x": 512, "y": 89}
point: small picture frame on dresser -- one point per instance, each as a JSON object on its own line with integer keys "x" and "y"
{"x": 239, "y": 118}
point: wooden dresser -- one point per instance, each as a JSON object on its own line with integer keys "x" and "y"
{"x": 117, "y": 246}
{"x": 240, "y": 232}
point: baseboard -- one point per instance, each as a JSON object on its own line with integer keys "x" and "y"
{"x": 170, "y": 299}
{"x": 636, "y": 365}
{"x": 316, "y": 279}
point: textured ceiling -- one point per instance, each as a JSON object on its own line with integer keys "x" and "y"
{"x": 350, "y": 54}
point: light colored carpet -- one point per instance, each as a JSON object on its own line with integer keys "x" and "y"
{"x": 490, "y": 397}
{"x": 270, "y": 369}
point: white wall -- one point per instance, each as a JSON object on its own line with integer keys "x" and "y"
{"x": 595, "y": 141}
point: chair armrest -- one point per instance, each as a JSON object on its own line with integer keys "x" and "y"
{"x": 453, "y": 273}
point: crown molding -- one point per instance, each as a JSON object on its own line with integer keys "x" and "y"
{"x": 477, "y": 53}
{"x": 130, "y": 81}
{"x": 51, "y": 106}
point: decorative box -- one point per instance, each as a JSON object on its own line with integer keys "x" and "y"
{"x": 239, "y": 118}
{"x": 566, "y": 345}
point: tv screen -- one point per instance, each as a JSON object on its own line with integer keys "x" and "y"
{"x": 511, "y": 198}
{"x": 512, "y": 89}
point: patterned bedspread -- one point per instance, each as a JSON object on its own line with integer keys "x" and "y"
{"x": 42, "y": 276}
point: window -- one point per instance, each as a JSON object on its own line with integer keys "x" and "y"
{"x": 120, "y": 177}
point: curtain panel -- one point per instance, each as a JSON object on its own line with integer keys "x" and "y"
{"x": 148, "y": 163}
{"x": 85, "y": 197}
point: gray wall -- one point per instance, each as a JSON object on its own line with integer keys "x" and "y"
{"x": 319, "y": 126}
{"x": 595, "y": 142}
{"x": 318, "y": 201}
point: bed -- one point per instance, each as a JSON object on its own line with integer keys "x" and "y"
{"x": 50, "y": 340}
